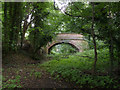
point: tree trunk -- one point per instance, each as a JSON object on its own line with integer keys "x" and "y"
{"x": 118, "y": 60}
{"x": 6, "y": 39}
{"x": 111, "y": 45}
{"x": 111, "y": 54}
{"x": 11, "y": 22}
{"x": 25, "y": 27}
{"x": 94, "y": 40}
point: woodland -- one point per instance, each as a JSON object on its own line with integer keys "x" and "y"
{"x": 27, "y": 27}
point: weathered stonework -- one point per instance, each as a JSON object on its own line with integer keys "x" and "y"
{"x": 75, "y": 40}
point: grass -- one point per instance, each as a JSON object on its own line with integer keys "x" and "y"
{"x": 78, "y": 67}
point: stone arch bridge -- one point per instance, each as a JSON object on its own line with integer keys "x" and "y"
{"x": 75, "y": 40}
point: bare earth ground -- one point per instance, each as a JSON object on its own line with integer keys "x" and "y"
{"x": 18, "y": 64}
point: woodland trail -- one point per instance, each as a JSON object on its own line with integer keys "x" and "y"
{"x": 26, "y": 68}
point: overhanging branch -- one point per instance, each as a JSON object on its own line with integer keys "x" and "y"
{"x": 70, "y": 14}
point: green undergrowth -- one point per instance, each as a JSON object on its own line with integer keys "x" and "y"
{"x": 36, "y": 74}
{"x": 11, "y": 83}
{"x": 78, "y": 68}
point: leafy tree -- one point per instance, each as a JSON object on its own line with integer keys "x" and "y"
{"x": 12, "y": 19}
{"x": 39, "y": 35}
{"x": 104, "y": 20}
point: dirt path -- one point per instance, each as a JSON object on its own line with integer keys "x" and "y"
{"x": 46, "y": 81}
{"x": 22, "y": 66}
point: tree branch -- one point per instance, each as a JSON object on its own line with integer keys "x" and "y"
{"x": 70, "y": 14}
{"x": 29, "y": 14}
{"x": 55, "y": 7}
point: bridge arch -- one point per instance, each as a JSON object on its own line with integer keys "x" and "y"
{"x": 75, "y": 40}
{"x": 57, "y": 43}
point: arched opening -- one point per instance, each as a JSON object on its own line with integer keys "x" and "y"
{"x": 62, "y": 47}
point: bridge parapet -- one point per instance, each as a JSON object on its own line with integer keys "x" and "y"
{"x": 69, "y": 37}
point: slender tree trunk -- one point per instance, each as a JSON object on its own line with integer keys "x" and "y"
{"x": 111, "y": 48}
{"x": 16, "y": 24}
{"x": 21, "y": 43}
{"x": 118, "y": 60}
{"x": 20, "y": 20}
{"x": 94, "y": 40}
{"x": 25, "y": 27}
{"x": 11, "y": 22}
{"x": 89, "y": 38}
{"x": 6, "y": 39}
{"x": 111, "y": 54}
{"x": 23, "y": 32}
